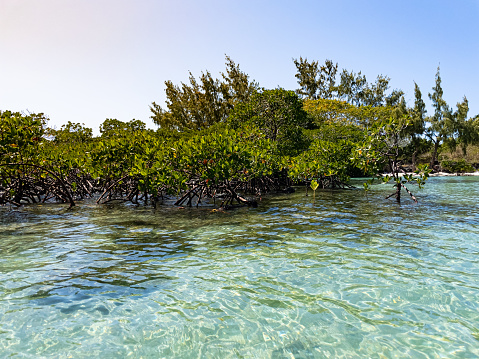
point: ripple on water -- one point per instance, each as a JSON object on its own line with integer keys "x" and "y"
{"x": 345, "y": 276}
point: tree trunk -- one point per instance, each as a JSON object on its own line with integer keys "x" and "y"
{"x": 434, "y": 154}
{"x": 57, "y": 177}
{"x": 398, "y": 192}
{"x": 414, "y": 160}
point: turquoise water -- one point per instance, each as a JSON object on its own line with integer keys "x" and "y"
{"x": 347, "y": 276}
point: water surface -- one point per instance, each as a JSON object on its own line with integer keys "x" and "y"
{"x": 345, "y": 276}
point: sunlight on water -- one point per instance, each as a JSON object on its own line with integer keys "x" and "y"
{"x": 347, "y": 276}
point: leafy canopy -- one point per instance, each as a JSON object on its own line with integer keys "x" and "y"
{"x": 203, "y": 102}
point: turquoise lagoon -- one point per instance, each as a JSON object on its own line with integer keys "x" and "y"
{"x": 346, "y": 276}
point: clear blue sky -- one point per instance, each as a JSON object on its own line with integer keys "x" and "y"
{"x": 88, "y": 60}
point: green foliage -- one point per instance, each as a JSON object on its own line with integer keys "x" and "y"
{"x": 447, "y": 126}
{"x": 417, "y": 126}
{"x": 385, "y": 142}
{"x": 239, "y": 87}
{"x": 172, "y": 164}
{"x": 314, "y": 186}
{"x": 112, "y": 127}
{"x": 71, "y": 133}
{"x": 367, "y": 184}
{"x": 418, "y": 113}
{"x": 344, "y": 114}
{"x": 194, "y": 106}
{"x": 329, "y": 156}
{"x": 356, "y": 89}
{"x": 26, "y": 171}
{"x": 21, "y": 136}
{"x": 202, "y": 103}
{"x": 441, "y": 124}
{"x": 319, "y": 82}
{"x": 466, "y": 130}
{"x": 280, "y": 116}
{"x": 227, "y": 136}
{"x": 223, "y": 154}
{"x": 460, "y": 166}
{"x": 315, "y": 81}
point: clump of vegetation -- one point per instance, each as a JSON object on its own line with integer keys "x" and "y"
{"x": 457, "y": 154}
{"x": 460, "y": 166}
{"x": 228, "y": 140}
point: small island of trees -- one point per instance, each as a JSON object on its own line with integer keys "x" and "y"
{"x": 230, "y": 141}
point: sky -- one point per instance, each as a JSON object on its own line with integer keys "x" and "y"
{"x": 88, "y": 60}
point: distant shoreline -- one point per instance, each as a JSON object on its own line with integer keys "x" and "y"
{"x": 439, "y": 174}
{"x": 446, "y": 174}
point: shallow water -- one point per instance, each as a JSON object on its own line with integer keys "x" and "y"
{"x": 345, "y": 276}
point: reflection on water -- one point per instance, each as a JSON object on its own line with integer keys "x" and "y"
{"x": 347, "y": 276}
